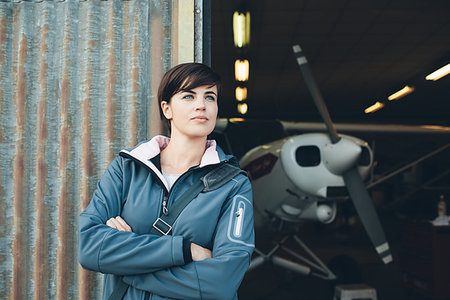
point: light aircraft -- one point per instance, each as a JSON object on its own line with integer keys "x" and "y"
{"x": 301, "y": 177}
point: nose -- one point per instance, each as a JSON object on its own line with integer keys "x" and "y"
{"x": 200, "y": 104}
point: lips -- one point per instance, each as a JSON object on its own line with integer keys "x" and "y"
{"x": 200, "y": 118}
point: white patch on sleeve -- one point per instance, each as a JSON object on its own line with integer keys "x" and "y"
{"x": 237, "y": 217}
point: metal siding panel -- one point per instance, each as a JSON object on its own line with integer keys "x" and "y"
{"x": 134, "y": 79}
{"x": 88, "y": 89}
{"x": 76, "y": 79}
{"x": 19, "y": 174}
{"x": 7, "y": 129}
{"x": 111, "y": 86}
{"x": 41, "y": 259}
{"x": 67, "y": 106}
{"x": 157, "y": 46}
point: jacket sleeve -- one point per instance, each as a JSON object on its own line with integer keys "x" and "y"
{"x": 107, "y": 250}
{"x": 218, "y": 277}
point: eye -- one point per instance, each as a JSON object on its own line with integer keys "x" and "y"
{"x": 211, "y": 98}
{"x": 188, "y": 96}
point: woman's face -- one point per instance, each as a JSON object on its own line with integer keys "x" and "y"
{"x": 192, "y": 113}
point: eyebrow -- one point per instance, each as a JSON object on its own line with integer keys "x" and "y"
{"x": 207, "y": 92}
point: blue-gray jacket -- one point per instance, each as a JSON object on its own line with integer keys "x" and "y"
{"x": 134, "y": 188}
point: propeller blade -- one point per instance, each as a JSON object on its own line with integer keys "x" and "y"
{"x": 355, "y": 185}
{"x": 367, "y": 213}
{"x": 315, "y": 92}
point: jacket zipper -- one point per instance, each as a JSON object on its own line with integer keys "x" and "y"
{"x": 166, "y": 197}
{"x": 165, "y": 191}
{"x": 165, "y": 211}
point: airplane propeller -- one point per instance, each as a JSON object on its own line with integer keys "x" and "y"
{"x": 353, "y": 181}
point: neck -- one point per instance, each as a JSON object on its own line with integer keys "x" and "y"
{"x": 182, "y": 153}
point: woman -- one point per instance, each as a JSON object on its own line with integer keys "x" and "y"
{"x": 211, "y": 242}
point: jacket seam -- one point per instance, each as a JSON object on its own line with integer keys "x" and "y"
{"x": 235, "y": 189}
{"x": 122, "y": 202}
{"x": 198, "y": 280}
{"x": 249, "y": 257}
{"x": 240, "y": 180}
{"x": 89, "y": 214}
{"x": 100, "y": 250}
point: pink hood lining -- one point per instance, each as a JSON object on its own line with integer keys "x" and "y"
{"x": 146, "y": 151}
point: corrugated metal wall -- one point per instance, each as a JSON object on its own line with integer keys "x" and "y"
{"x": 76, "y": 81}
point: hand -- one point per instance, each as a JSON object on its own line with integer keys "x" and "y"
{"x": 199, "y": 253}
{"x": 119, "y": 224}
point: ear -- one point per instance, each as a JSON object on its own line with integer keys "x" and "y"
{"x": 166, "y": 109}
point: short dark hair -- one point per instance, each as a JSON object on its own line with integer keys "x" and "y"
{"x": 184, "y": 77}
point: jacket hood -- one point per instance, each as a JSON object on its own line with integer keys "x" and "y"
{"x": 147, "y": 150}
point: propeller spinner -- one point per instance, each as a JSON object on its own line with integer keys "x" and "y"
{"x": 353, "y": 181}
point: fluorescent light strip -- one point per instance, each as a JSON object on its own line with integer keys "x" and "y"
{"x": 403, "y": 92}
{"x": 439, "y": 73}
{"x": 241, "y": 29}
{"x": 378, "y": 105}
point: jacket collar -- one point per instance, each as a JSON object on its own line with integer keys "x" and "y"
{"x": 145, "y": 151}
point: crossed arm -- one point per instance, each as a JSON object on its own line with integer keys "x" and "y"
{"x": 217, "y": 277}
{"x": 198, "y": 252}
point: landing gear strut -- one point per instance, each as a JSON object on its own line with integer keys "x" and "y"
{"x": 307, "y": 266}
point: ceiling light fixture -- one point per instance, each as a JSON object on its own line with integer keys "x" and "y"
{"x": 402, "y": 93}
{"x": 241, "y": 93}
{"x": 242, "y": 108}
{"x": 241, "y": 29}
{"x": 241, "y": 70}
{"x": 236, "y": 120}
{"x": 439, "y": 73}
{"x": 378, "y": 105}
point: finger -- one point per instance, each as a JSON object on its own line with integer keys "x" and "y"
{"x": 199, "y": 253}
{"x": 124, "y": 224}
{"x": 208, "y": 253}
{"x": 120, "y": 224}
{"x": 110, "y": 223}
{"x": 116, "y": 224}
{"x": 194, "y": 252}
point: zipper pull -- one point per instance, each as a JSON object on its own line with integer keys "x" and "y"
{"x": 164, "y": 206}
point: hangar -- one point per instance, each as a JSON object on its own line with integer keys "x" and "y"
{"x": 360, "y": 53}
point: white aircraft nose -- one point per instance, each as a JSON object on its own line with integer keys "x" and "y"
{"x": 340, "y": 157}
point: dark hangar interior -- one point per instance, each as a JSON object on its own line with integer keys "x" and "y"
{"x": 360, "y": 53}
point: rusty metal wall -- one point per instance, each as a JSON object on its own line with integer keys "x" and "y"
{"x": 76, "y": 84}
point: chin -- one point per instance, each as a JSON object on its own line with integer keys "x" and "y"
{"x": 201, "y": 133}
{"x": 196, "y": 131}
{"x": 203, "y": 128}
